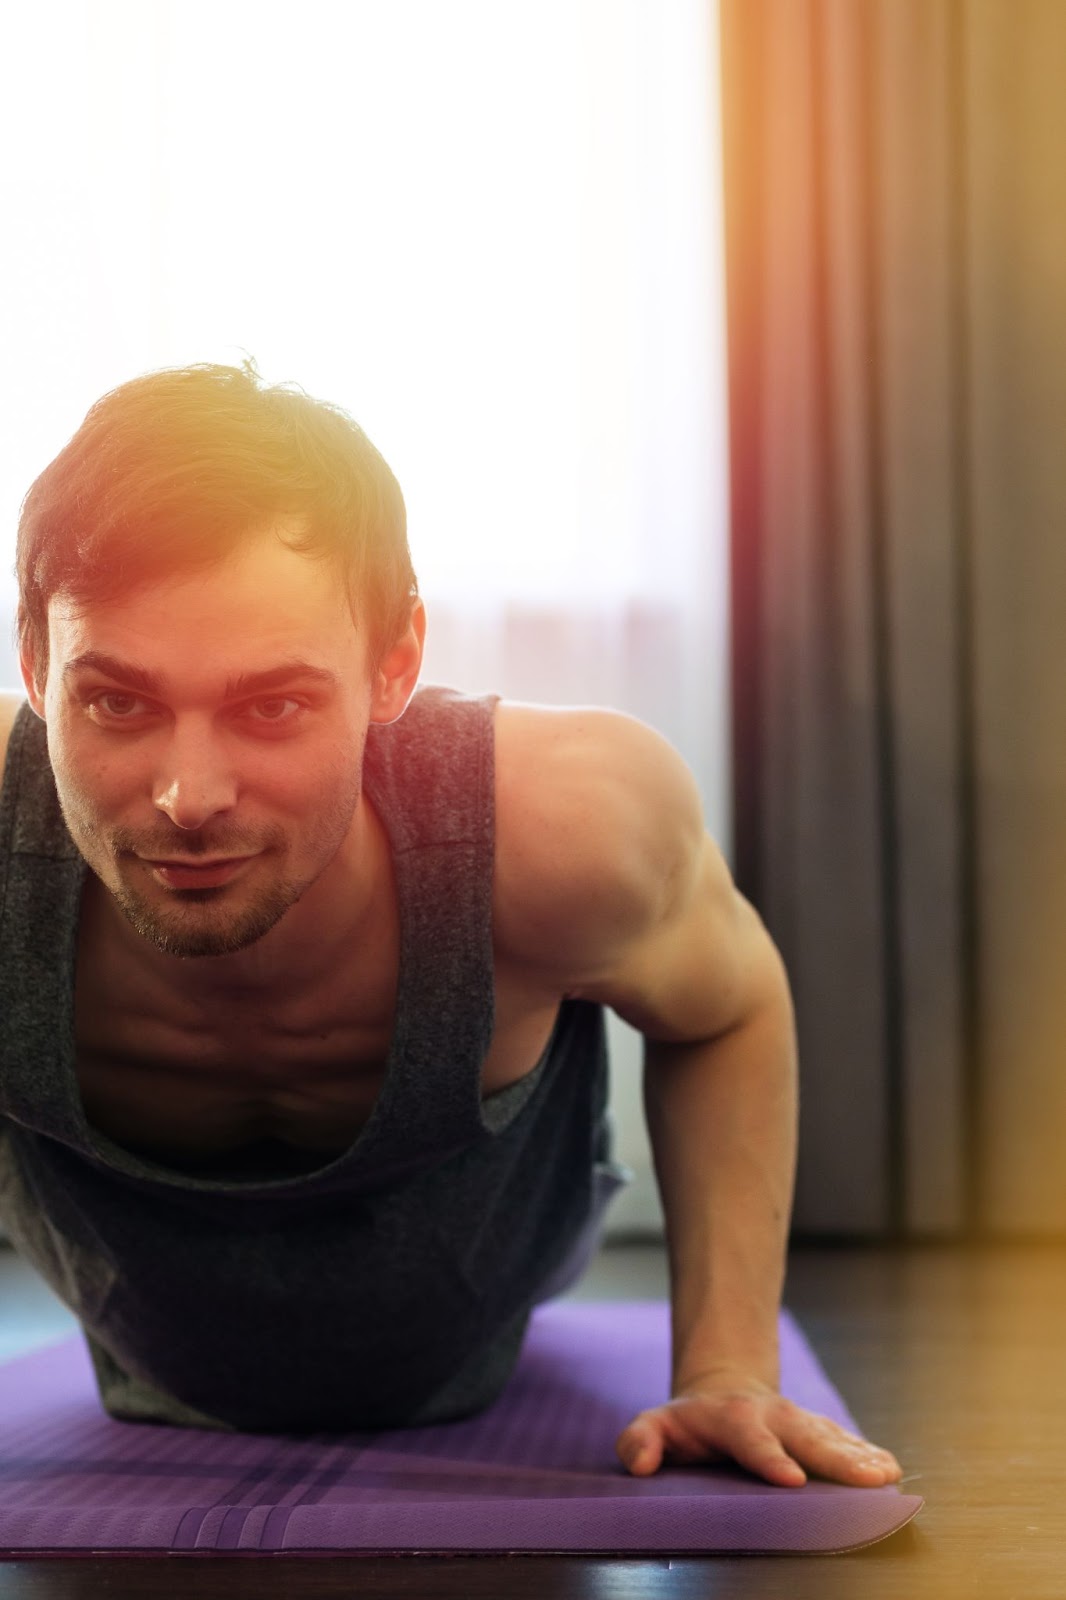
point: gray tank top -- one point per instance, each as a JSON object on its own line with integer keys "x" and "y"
{"x": 389, "y": 1287}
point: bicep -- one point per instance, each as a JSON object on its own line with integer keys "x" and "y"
{"x": 703, "y": 967}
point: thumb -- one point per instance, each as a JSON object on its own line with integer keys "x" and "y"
{"x": 640, "y": 1448}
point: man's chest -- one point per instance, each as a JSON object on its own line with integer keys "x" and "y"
{"x": 189, "y": 1085}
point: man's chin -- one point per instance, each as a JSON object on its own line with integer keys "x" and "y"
{"x": 197, "y": 933}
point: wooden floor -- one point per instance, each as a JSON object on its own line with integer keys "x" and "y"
{"x": 952, "y": 1358}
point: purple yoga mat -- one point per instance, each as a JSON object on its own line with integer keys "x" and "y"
{"x": 536, "y": 1472}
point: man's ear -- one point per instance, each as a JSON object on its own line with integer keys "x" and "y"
{"x": 397, "y": 672}
{"x": 34, "y": 690}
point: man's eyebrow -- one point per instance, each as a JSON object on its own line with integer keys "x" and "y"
{"x": 245, "y": 683}
{"x": 288, "y": 673}
{"x": 132, "y": 676}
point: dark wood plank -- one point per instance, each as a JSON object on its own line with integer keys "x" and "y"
{"x": 950, "y": 1357}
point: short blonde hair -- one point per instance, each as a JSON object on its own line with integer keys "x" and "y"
{"x": 176, "y": 467}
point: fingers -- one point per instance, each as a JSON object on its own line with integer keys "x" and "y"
{"x": 640, "y": 1447}
{"x": 664, "y": 1436}
{"x": 778, "y": 1441}
{"x": 834, "y": 1452}
{"x": 761, "y": 1452}
{"x": 745, "y": 1432}
{"x": 782, "y": 1442}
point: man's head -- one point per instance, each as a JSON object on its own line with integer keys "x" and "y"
{"x": 201, "y": 661}
{"x": 173, "y": 470}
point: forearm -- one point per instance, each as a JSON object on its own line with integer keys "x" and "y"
{"x": 722, "y": 1117}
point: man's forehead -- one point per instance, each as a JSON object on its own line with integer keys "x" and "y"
{"x": 263, "y": 588}
{"x": 215, "y": 632}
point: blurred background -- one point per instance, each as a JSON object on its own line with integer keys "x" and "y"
{"x": 718, "y": 349}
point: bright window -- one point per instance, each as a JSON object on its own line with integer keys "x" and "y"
{"x": 490, "y": 230}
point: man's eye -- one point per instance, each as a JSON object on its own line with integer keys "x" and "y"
{"x": 113, "y": 703}
{"x": 275, "y": 708}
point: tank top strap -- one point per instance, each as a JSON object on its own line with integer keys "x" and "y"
{"x": 41, "y": 877}
{"x": 430, "y": 778}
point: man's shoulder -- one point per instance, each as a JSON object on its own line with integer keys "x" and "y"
{"x": 579, "y": 743}
{"x": 11, "y": 703}
{"x": 596, "y": 816}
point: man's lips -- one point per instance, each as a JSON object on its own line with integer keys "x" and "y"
{"x": 192, "y": 874}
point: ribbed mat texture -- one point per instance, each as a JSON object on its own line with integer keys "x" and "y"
{"x": 536, "y": 1472}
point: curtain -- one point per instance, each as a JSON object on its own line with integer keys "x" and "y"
{"x": 895, "y": 202}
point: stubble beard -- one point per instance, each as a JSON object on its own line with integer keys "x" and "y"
{"x": 167, "y": 933}
{"x": 165, "y": 926}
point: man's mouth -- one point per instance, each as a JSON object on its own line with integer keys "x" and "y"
{"x": 198, "y": 874}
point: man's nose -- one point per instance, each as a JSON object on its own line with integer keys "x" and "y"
{"x": 194, "y": 781}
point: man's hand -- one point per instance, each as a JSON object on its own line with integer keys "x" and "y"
{"x": 745, "y": 1419}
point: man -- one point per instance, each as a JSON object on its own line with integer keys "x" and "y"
{"x": 302, "y": 1076}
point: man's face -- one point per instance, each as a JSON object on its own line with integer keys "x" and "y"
{"x": 206, "y": 732}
